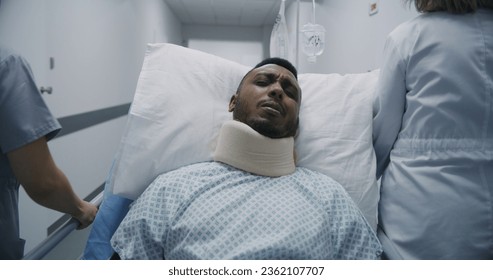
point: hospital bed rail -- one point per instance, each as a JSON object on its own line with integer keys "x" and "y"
{"x": 47, "y": 245}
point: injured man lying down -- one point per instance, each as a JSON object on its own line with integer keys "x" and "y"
{"x": 251, "y": 202}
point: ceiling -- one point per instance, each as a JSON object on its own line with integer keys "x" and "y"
{"x": 252, "y": 13}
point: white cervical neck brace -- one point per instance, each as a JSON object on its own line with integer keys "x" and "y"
{"x": 242, "y": 147}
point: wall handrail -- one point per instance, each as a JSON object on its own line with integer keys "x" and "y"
{"x": 45, "y": 247}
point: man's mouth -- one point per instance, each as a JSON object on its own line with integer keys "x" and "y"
{"x": 272, "y": 108}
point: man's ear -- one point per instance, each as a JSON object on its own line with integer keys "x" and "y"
{"x": 232, "y": 103}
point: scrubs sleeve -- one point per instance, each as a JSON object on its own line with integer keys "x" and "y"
{"x": 24, "y": 116}
{"x": 389, "y": 104}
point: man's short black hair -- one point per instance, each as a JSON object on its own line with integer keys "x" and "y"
{"x": 279, "y": 61}
{"x": 271, "y": 60}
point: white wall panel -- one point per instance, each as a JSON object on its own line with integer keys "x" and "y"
{"x": 354, "y": 40}
{"x": 244, "y": 45}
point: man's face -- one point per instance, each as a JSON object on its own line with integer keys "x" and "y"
{"x": 268, "y": 101}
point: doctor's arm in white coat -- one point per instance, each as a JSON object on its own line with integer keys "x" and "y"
{"x": 389, "y": 104}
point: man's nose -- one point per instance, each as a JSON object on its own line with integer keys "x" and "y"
{"x": 276, "y": 91}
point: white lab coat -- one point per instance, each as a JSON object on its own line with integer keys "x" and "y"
{"x": 433, "y": 137}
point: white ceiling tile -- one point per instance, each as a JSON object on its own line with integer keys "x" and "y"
{"x": 226, "y": 12}
{"x": 200, "y": 11}
{"x": 260, "y": 12}
{"x": 179, "y": 9}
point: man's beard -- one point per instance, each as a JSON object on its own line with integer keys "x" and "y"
{"x": 262, "y": 126}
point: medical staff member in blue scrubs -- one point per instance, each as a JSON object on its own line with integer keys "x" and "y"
{"x": 433, "y": 133}
{"x": 26, "y": 125}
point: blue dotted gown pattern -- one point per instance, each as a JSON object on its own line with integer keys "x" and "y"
{"x": 215, "y": 211}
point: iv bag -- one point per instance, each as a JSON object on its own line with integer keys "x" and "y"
{"x": 279, "y": 43}
{"x": 312, "y": 40}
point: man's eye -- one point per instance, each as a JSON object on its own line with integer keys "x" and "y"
{"x": 292, "y": 93}
{"x": 262, "y": 82}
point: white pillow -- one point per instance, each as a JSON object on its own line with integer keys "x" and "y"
{"x": 182, "y": 100}
{"x": 336, "y": 133}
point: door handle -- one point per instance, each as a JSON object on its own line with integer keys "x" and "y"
{"x": 48, "y": 90}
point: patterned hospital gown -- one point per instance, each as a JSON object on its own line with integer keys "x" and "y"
{"x": 215, "y": 211}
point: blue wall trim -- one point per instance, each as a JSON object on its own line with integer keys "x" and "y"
{"x": 78, "y": 122}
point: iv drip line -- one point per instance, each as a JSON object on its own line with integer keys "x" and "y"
{"x": 313, "y": 36}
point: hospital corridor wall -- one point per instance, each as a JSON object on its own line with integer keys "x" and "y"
{"x": 90, "y": 53}
{"x": 246, "y": 45}
{"x": 354, "y": 37}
